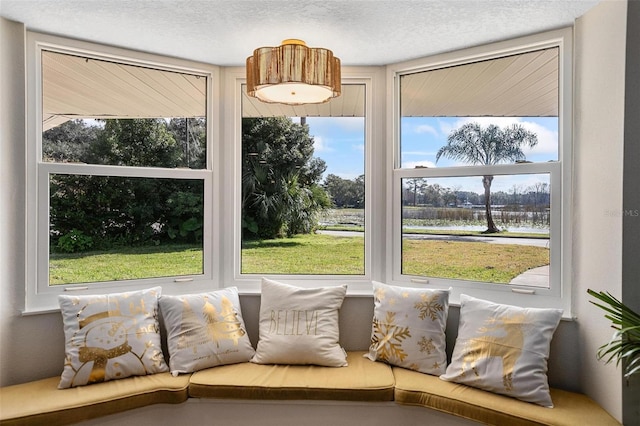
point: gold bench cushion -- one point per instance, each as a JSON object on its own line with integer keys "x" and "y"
{"x": 361, "y": 380}
{"x": 42, "y": 403}
{"x": 413, "y": 388}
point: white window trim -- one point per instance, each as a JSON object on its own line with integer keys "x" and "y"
{"x": 39, "y": 295}
{"x": 559, "y": 295}
{"x": 373, "y": 79}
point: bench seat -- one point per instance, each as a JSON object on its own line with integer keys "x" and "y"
{"x": 361, "y": 380}
{"x": 570, "y": 409}
{"x": 42, "y": 403}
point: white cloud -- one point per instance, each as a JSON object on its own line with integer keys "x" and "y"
{"x": 521, "y": 182}
{"x": 547, "y": 139}
{"x": 343, "y": 175}
{"x": 425, "y": 128}
{"x": 323, "y": 124}
{"x": 423, "y": 153}
{"x": 359, "y": 147}
{"x": 321, "y": 145}
{"x": 419, "y": 163}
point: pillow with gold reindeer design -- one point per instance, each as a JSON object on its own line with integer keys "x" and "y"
{"x": 205, "y": 330}
{"x": 503, "y": 349}
{"x": 110, "y": 336}
{"x": 408, "y": 327}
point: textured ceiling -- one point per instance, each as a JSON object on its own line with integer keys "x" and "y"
{"x": 360, "y": 32}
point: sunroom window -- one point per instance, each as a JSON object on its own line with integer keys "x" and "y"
{"x": 303, "y": 187}
{"x": 477, "y": 182}
{"x": 123, "y": 172}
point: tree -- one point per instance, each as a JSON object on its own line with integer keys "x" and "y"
{"x": 115, "y": 210}
{"x": 280, "y": 190}
{"x": 345, "y": 193}
{"x": 69, "y": 142}
{"x": 191, "y": 135}
{"x": 487, "y": 146}
{"x": 142, "y": 142}
{"x": 417, "y": 186}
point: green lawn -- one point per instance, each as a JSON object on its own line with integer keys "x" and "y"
{"x": 125, "y": 264}
{"x": 476, "y": 261}
{"x": 305, "y": 254}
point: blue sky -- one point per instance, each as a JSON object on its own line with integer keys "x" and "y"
{"x": 340, "y": 142}
{"x": 423, "y": 136}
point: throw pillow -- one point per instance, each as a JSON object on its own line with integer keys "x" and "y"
{"x": 111, "y": 336}
{"x": 300, "y": 325}
{"x": 205, "y": 330}
{"x": 504, "y": 349}
{"x": 409, "y": 328}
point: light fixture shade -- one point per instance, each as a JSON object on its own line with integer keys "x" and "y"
{"x": 293, "y": 74}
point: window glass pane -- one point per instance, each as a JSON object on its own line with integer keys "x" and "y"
{"x": 445, "y": 223}
{"x": 102, "y": 112}
{"x": 105, "y": 228}
{"x": 303, "y": 186}
{"x": 446, "y": 111}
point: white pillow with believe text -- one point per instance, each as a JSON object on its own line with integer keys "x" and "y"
{"x": 300, "y": 325}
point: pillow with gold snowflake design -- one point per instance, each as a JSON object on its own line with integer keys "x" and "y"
{"x": 409, "y": 327}
{"x": 110, "y": 337}
{"x": 503, "y": 349}
{"x": 205, "y": 330}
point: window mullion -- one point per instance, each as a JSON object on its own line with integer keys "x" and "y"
{"x": 102, "y": 170}
{"x": 501, "y": 169}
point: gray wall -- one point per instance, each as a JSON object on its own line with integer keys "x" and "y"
{"x": 600, "y": 36}
{"x": 631, "y": 198}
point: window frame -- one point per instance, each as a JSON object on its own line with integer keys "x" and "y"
{"x": 372, "y": 78}
{"x": 39, "y": 295}
{"x": 223, "y": 169}
{"x": 559, "y": 293}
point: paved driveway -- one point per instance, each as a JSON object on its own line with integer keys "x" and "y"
{"x": 538, "y": 242}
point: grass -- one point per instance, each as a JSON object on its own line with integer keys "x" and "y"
{"x": 125, "y": 264}
{"x": 476, "y": 261}
{"x": 305, "y": 254}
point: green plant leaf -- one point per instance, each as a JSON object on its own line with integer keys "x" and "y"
{"x": 625, "y": 342}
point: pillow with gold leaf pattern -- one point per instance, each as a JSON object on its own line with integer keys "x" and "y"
{"x": 409, "y": 327}
{"x": 110, "y": 336}
{"x": 205, "y": 330}
{"x": 504, "y": 349}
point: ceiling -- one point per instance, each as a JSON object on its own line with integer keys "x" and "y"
{"x": 360, "y": 32}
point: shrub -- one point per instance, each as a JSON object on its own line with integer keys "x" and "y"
{"x": 74, "y": 241}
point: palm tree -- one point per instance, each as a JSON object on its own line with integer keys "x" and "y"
{"x": 280, "y": 178}
{"x": 487, "y": 146}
